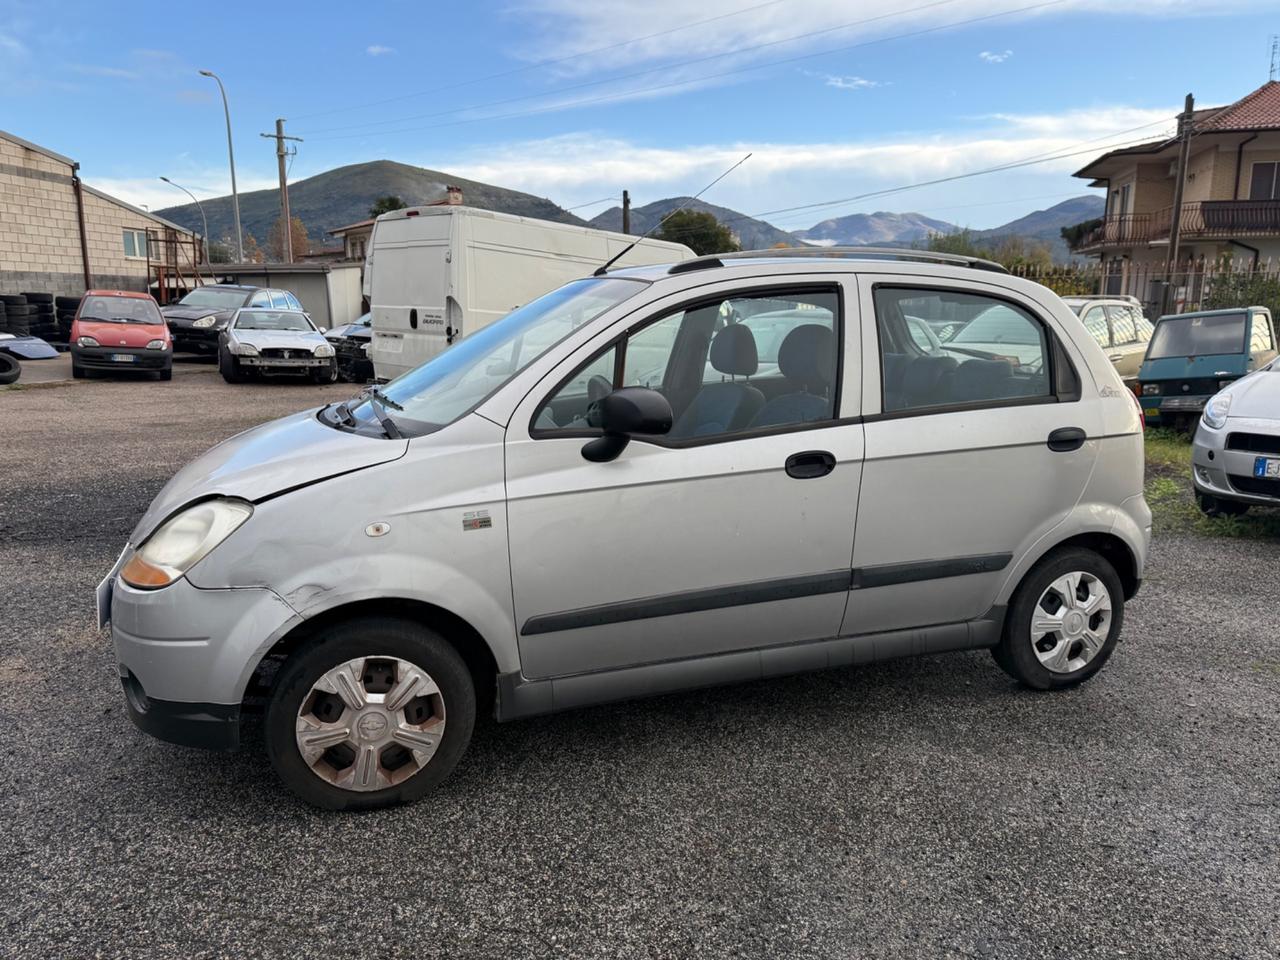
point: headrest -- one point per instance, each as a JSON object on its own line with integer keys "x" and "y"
{"x": 807, "y": 356}
{"x": 923, "y": 374}
{"x": 733, "y": 351}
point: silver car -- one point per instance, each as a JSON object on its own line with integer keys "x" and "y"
{"x": 258, "y": 341}
{"x": 1235, "y": 456}
{"x": 520, "y": 521}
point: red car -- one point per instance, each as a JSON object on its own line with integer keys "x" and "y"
{"x": 120, "y": 330}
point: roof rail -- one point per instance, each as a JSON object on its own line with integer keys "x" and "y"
{"x": 839, "y": 253}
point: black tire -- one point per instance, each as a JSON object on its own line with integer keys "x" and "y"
{"x": 166, "y": 373}
{"x": 77, "y": 371}
{"x": 1015, "y": 653}
{"x": 229, "y": 367}
{"x": 67, "y": 304}
{"x": 10, "y": 369}
{"x": 420, "y": 646}
{"x": 13, "y": 300}
{"x": 1216, "y": 507}
{"x": 327, "y": 374}
{"x": 38, "y": 297}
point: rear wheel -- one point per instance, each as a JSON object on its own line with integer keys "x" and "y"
{"x": 1217, "y": 507}
{"x": 372, "y": 713}
{"x": 1064, "y": 621}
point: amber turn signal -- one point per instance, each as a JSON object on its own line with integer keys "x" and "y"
{"x": 138, "y": 573}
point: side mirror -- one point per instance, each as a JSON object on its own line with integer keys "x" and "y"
{"x": 622, "y": 414}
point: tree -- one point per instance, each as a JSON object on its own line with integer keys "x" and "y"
{"x": 386, "y": 205}
{"x": 699, "y": 231}
{"x": 252, "y": 254}
{"x": 275, "y": 239}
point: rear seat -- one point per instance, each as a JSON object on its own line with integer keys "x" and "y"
{"x": 925, "y": 381}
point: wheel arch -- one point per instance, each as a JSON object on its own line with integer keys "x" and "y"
{"x": 1111, "y": 546}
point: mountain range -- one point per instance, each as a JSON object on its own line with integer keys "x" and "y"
{"x": 344, "y": 195}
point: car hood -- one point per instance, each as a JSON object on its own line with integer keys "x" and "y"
{"x": 356, "y": 331}
{"x": 273, "y": 458}
{"x": 122, "y": 334}
{"x": 1256, "y": 396}
{"x": 26, "y": 348}
{"x": 289, "y": 339}
{"x": 178, "y": 311}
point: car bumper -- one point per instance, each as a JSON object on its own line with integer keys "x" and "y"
{"x": 195, "y": 339}
{"x": 1229, "y": 474}
{"x": 105, "y": 358}
{"x": 1157, "y": 408}
{"x": 279, "y": 365}
{"x": 185, "y": 654}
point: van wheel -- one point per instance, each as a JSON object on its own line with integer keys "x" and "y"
{"x": 1215, "y": 507}
{"x": 372, "y": 713}
{"x": 1064, "y": 621}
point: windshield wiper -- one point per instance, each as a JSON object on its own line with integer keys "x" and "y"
{"x": 378, "y": 402}
{"x": 103, "y": 319}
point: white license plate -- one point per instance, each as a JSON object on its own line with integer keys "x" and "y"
{"x": 123, "y": 357}
{"x": 390, "y": 344}
{"x": 1267, "y": 468}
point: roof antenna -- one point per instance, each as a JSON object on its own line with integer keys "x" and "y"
{"x": 1275, "y": 56}
{"x": 605, "y": 269}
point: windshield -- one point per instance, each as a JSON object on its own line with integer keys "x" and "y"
{"x": 998, "y": 325}
{"x": 271, "y": 320}
{"x": 455, "y": 382}
{"x": 121, "y": 310}
{"x": 1191, "y": 336}
{"x": 213, "y": 297}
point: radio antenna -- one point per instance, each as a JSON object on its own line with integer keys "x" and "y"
{"x": 605, "y": 269}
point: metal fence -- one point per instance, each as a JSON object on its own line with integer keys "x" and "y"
{"x": 1194, "y": 285}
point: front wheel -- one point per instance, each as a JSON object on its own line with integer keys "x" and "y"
{"x": 229, "y": 367}
{"x": 1064, "y": 621}
{"x": 328, "y": 374}
{"x": 1217, "y": 507}
{"x": 372, "y": 713}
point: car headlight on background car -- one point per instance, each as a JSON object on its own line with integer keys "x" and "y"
{"x": 86, "y": 342}
{"x": 1150, "y": 389}
{"x": 156, "y": 344}
{"x": 1215, "y": 411}
{"x": 182, "y": 541}
{"x": 205, "y": 322}
{"x": 324, "y": 350}
{"x": 243, "y": 349}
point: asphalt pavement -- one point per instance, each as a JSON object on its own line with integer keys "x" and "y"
{"x": 920, "y": 808}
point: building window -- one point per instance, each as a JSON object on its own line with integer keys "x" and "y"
{"x": 135, "y": 244}
{"x": 1265, "y": 182}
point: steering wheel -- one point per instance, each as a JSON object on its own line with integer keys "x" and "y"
{"x": 598, "y": 387}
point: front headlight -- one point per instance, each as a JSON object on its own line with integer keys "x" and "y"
{"x": 243, "y": 349}
{"x": 205, "y": 322}
{"x": 156, "y": 345}
{"x": 324, "y": 350}
{"x": 1215, "y": 411}
{"x": 1150, "y": 389}
{"x": 86, "y": 342}
{"x": 182, "y": 541}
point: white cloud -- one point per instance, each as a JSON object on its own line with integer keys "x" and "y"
{"x": 986, "y": 56}
{"x": 153, "y": 194}
{"x": 852, "y": 83}
{"x": 114, "y": 73}
{"x": 377, "y": 50}
{"x": 11, "y": 45}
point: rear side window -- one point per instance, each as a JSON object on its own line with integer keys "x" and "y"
{"x": 1261, "y": 336}
{"x": 280, "y": 301}
{"x": 293, "y": 301}
{"x": 260, "y": 299}
{"x": 1124, "y": 327}
{"x": 1095, "y": 321}
{"x": 997, "y": 354}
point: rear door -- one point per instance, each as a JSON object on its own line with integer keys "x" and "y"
{"x": 408, "y": 292}
{"x": 971, "y": 455}
{"x": 1130, "y": 332}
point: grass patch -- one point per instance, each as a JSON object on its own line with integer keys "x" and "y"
{"x": 1172, "y": 498}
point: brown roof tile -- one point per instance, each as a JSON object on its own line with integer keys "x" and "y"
{"x": 1259, "y": 110}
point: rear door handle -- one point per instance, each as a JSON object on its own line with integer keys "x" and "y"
{"x": 1066, "y": 439}
{"x": 810, "y": 464}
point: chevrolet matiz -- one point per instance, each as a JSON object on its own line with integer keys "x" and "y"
{"x": 610, "y": 494}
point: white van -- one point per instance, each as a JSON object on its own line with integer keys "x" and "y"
{"x": 435, "y": 274}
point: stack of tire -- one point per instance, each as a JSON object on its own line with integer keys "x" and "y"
{"x": 17, "y": 314}
{"x": 66, "y": 308}
{"x": 44, "y": 324}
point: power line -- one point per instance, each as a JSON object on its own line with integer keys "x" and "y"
{"x": 627, "y": 94}
{"x": 591, "y": 203}
{"x": 538, "y": 64}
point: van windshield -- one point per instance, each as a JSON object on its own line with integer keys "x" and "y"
{"x": 1197, "y": 336}
{"x": 455, "y": 382}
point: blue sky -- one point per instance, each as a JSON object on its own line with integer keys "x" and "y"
{"x": 577, "y": 99}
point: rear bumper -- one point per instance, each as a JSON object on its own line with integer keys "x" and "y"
{"x": 101, "y": 358}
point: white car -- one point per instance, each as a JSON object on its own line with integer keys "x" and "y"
{"x": 258, "y": 341}
{"x": 1235, "y": 457}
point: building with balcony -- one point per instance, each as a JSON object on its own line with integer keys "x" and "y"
{"x": 1230, "y": 202}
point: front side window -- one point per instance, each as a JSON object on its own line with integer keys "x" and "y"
{"x": 726, "y": 366}
{"x": 1260, "y": 340}
{"x": 1193, "y": 335}
{"x": 261, "y": 298}
{"x": 279, "y": 300}
{"x": 999, "y": 352}
{"x": 292, "y": 301}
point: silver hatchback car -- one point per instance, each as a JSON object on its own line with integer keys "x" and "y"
{"x": 607, "y": 495}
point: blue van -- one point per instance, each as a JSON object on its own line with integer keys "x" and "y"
{"x": 1192, "y": 356}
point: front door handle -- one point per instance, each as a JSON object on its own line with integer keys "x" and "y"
{"x": 1066, "y": 439}
{"x": 810, "y": 464}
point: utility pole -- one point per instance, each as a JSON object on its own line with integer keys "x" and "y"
{"x": 1185, "y": 132}
{"x": 626, "y": 212}
{"x": 281, "y": 153}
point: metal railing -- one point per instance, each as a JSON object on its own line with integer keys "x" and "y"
{"x": 1201, "y": 220}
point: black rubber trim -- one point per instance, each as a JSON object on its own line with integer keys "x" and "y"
{"x": 764, "y": 591}
{"x": 209, "y": 726}
{"x": 692, "y": 601}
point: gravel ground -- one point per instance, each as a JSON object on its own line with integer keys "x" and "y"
{"x": 924, "y": 808}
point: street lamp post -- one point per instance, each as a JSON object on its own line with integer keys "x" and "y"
{"x": 235, "y": 197}
{"x": 202, "y": 216}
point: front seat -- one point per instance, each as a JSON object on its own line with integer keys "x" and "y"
{"x": 730, "y": 405}
{"x": 807, "y": 359}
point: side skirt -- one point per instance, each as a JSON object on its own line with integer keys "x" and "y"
{"x": 518, "y": 697}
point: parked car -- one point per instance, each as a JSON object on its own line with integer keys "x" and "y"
{"x": 518, "y": 514}
{"x": 120, "y": 330}
{"x": 259, "y": 341}
{"x": 351, "y": 345}
{"x": 26, "y": 347}
{"x": 1235, "y": 456}
{"x": 198, "y": 319}
{"x": 1120, "y": 328}
{"x": 1192, "y": 356}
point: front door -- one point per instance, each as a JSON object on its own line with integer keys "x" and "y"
{"x": 733, "y": 532}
